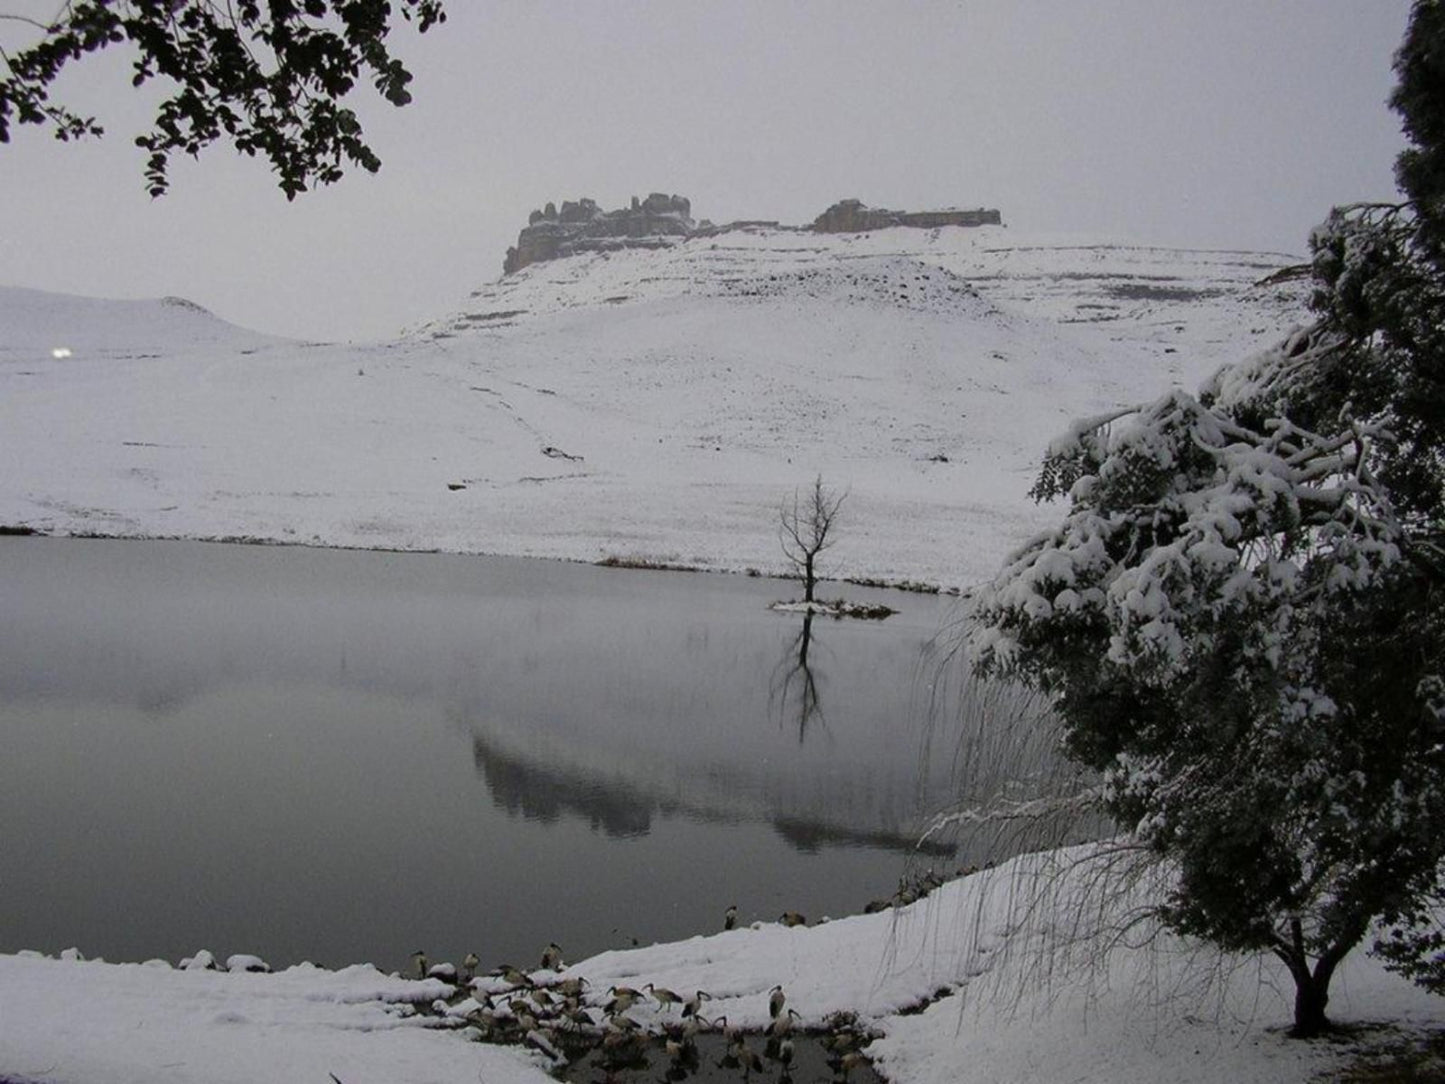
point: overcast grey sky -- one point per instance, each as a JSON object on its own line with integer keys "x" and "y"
{"x": 1208, "y": 123}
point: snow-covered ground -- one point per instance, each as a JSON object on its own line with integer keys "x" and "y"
{"x": 642, "y": 404}
{"x": 1010, "y": 964}
{"x": 660, "y": 405}
{"x": 68, "y": 1020}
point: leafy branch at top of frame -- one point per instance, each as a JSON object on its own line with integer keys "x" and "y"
{"x": 269, "y": 81}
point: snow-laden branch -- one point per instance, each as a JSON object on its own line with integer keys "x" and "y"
{"x": 1006, "y": 811}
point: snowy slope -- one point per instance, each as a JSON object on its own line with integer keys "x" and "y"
{"x": 33, "y": 323}
{"x": 654, "y": 404}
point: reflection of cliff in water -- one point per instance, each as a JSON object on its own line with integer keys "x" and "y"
{"x": 544, "y": 794}
{"x": 619, "y": 809}
{"x": 811, "y": 836}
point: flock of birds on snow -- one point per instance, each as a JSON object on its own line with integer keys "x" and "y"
{"x": 566, "y": 1022}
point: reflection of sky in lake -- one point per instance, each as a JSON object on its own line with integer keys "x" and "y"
{"x": 230, "y": 742}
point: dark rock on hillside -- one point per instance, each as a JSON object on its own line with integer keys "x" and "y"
{"x": 854, "y": 216}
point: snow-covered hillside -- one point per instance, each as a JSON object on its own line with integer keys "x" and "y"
{"x": 34, "y": 324}
{"x": 654, "y": 404}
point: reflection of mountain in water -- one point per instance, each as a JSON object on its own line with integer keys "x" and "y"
{"x": 591, "y": 694}
{"x": 542, "y": 794}
{"x": 620, "y": 809}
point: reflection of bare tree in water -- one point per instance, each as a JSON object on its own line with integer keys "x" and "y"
{"x": 794, "y": 691}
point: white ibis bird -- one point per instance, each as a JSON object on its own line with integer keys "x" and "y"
{"x": 513, "y": 976}
{"x": 749, "y": 1059}
{"x": 847, "y": 1063}
{"x": 571, "y": 987}
{"x": 622, "y": 998}
{"x": 782, "y": 1023}
{"x": 618, "y": 1022}
{"x": 662, "y": 995}
{"x": 785, "y": 1052}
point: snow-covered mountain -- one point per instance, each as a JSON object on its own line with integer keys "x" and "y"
{"x": 643, "y": 403}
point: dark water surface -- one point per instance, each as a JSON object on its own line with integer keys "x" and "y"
{"x": 348, "y": 756}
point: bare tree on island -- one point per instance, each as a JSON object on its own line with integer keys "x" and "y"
{"x": 806, "y": 530}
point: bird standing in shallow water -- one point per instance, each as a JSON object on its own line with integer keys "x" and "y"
{"x": 792, "y": 918}
{"x": 469, "y": 965}
{"x": 419, "y": 960}
{"x": 777, "y": 1033}
{"x": 552, "y": 958}
{"x": 782, "y": 1022}
{"x": 730, "y": 917}
{"x": 785, "y": 1053}
{"x": 737, "y": 1048}
{"x": 846, "y": 1064}
{"x": 751, "y": 1063}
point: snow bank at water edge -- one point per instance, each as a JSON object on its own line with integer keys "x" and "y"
{"x": 1020, "y": 973}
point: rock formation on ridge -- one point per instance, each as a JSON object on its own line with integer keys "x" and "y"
{"x": 585, "y": 227}
{"x": 661, "y": 220}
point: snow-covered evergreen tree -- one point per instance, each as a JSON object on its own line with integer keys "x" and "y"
{"x": 1242, "y": 614}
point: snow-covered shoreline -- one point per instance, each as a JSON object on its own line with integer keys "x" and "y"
{"x": 1020, "y": 970}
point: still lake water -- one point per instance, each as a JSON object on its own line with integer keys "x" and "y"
{"x": 347, "y": 756}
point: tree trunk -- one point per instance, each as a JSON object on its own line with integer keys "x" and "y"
{"x": 808, "y": 579}
{"x": 1310, "y": 998}
{"x": 1312, "y": 986}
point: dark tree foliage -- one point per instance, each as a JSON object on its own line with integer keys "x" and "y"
{"x": 1419, "y": 98}
{"x": 1242, "y": 615}
{"x": 267, "y": 77}
{"x": 1392, "y": 304}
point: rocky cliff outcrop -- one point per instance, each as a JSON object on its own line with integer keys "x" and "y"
{"x": 585, "y": 227}
{"x": 662, "y": 220}
{"x": 854, "y": 216}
